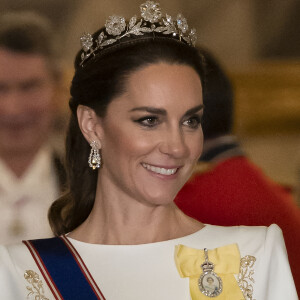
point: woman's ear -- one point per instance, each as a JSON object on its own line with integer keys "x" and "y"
{"x": 88, "y": 121}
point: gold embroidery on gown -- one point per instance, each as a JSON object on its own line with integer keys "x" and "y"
{"x": 36, "y": 290}
{"x": 245, "y": 277}
{"x": 245, "y": 280}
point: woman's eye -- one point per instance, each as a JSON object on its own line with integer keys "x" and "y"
{"x": 148, "y": 121}
{"x": 193, "y": 122}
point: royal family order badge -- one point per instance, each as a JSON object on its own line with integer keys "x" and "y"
{"x": 210, "y": 284}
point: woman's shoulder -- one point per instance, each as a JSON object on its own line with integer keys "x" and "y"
{"x": 259, "y": 232}
{"x": 13, "y": 249}
{"x": 15, "y": 260}
{"x": 21, "y": 272}
{"x": 9, "y": 252}
{"x": 253, "y": 238}
{"x": 15, "y": 257}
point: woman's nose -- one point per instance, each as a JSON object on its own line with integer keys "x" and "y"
{"x": 173, "y": 144}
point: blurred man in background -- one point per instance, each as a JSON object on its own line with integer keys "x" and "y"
{"x": 228, "y": 189}
{"x": 30, "y": 172}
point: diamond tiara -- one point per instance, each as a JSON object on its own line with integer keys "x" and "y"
{"x": 151, "y": 20}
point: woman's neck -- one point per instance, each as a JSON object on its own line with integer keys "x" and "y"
{"x": 129, "y": 222}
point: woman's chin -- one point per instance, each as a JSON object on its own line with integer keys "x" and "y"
{"x": 161, "y": 199}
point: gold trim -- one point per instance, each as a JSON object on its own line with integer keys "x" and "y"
{"x": 36, "y": 291}
{"x": 245, "y": 277}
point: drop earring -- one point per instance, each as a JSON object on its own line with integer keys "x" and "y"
{"x": 94, "y": 158}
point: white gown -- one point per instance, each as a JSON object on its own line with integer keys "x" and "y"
{"x": 148, "y": 271}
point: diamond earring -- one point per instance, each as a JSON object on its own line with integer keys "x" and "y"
{"x": 94, "y": 158}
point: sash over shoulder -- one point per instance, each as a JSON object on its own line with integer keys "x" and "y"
{"x": 63, "y": 269}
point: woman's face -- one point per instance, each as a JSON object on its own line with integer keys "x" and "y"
{"x": 151, "y": 136}
{"x": 210, "y": 280}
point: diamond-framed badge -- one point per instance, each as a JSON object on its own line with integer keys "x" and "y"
{"x": 210, "y": 284}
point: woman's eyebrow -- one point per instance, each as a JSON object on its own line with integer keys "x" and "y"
{"x": 194, "y": 110}
{"x": 149, "y": 109}
{"x": 163, "y": 112}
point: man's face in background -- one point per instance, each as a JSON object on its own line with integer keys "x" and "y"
{"x": 26, "y": 101}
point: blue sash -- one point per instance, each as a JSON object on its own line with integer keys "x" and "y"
{"x": 63, "y": 269}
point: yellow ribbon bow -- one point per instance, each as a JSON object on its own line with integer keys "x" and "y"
{"x": 226, "y": 262}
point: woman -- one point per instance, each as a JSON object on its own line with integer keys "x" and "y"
{"x": 137, "y": 100}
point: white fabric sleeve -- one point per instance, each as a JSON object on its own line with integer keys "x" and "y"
{"x": 274, "y": 279}
{"x": 9, "y": 285}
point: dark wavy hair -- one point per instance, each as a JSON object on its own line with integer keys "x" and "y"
{"x": 217, "y": 99}
{"x": 94, "y": 85}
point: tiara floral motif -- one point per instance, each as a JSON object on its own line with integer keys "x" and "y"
{"x": 151, "y": 21}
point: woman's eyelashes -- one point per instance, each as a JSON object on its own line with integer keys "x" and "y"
{"x": 193, "y": 122}
{"x": 148, "y": 121}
